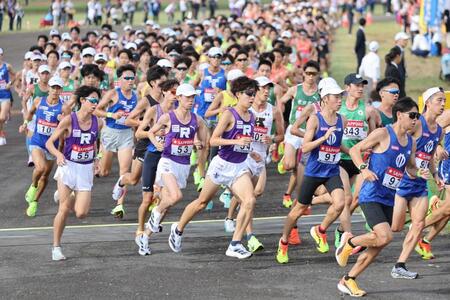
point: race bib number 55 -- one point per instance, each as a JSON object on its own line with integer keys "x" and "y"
{"x": 82, "y": 153}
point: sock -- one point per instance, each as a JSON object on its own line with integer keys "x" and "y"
{"x": 424, "y": 240}
{"x": 226, "y": 219}
{"x": 341, "y": 232}
{"x": 295, "y": 227}
{"x": 346, "y": 277}
{"x": 321, "y": 229}
{"x": 178, "y": 231}
{"x": 234, "y": 243}
{"x": 120, "y": 183}
{"x": 400, "y": 265}
{"x": 286, "y": 194}
{"x": 350, "y": 243}
{"x": 283, "y": 242}
{"x": 249, "y": 236}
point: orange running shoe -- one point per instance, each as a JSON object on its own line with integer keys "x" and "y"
{"x": 294, "y": 237}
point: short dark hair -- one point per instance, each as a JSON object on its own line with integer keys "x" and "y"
{"x": 75, "y": 28}
{"x": 84, "y": 91}
{"x": 311, "y": 64}
{"x": 168, "y": 84}
{"x": 243, "y": 83}
{"x": 183, "y": 60}
{"x": 125, "y": 68}
{"x": 53, "y": 52}
{"x": 42, "y": 36}
{"x": 405, "y": 104}
{"x": 127, "y": 52}
{"x": 89, "y": 69}
{"x": 240, "y": 52}
{"x": 362, "y": 21}
{"x": 155, "y": 72}
{"x": 264, "y": 62}
{"x": 385, "y": 82}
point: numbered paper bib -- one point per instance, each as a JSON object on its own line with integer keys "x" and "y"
{"x": 3, "y": 84}
{"x": 46, "y": 128}
{"x": 298, "y": 112}
{"x": 65, "y": 96}
{"x": 423, "y": 160}
{"x": 355, "y": 130}
{"x": 329, "y": 154}
{"x": 82, "y": 153}
{"x": 259, "y": 133}
{"x": 392, "y": 178}
{"x": 241, "y": 149}
{"x": 181, "y": 147}
{"x": 122, "y": 119}
{"x": 209, "y": 95}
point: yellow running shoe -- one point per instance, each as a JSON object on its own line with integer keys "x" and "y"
{"x": 32, "y": 208}
{"x": 30, "y": 196}
{"x": 424, "y": 249}
{"x": 281, "y": 148}
{"x": 320, "y": 238}
{"x": 280, "y": 167}
{"x": 197, "y": 177}
{"x": 350, "y": 287}
{"x": 254, "y": 244}
{"x": 282, "y": 253}
{"x": 287, "y": 201}
{"x": 193, "y": 158}
{"x": 344, "y": 250}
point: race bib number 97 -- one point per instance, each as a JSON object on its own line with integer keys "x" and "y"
{"x": 392, "y": 178}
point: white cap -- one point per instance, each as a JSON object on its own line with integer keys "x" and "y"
{"x": 251, "y": 37}
{"x": 168, "y": 31}
{"x": 326, "y": 81}
{"x": 127, "y": 28}
{"x": 28, "y": 55}
{"x": 138, "y": 41}
{"x": 43, "y": 68}
{"x": 100, "y": 56}
{"x": 401, "y": 36}
{"x": 113, "y": 35}
{"x": 331, "y": 89}
{"x": 234, "y": 74}
{"x": 66, "y": 36}
{"x": 210, "y": 32}
{"x": 54, "y": 32}
{"x": 235, "y": 26}
{"x": 374, "y": 46}
{"x": 44, "y": 57}
{"x": 206, "y": 23}
{"x": 186, "y": 89}
{"x": 430, "y": 92}
{"x": 263, "y": 81}
{"x": 64, "y": 64}
{"x": 156, "y": 27}
{"x": 56, "y": 80}
{"x": 131, "y": 46}
{"x": 113, "y": 43}
{"x": 213, "y": 51}
{"x": 286, "y": 34}
{"x": 165, "y": 63}
{"x": 149, "y": 22}
{"x": 88, "y": 51}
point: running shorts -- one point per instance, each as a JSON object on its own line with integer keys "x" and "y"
{"x": 310, "y": 185}
{"x": 222, "y": 172}
{"x": 179, "y": 171}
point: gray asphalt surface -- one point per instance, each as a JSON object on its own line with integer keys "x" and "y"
{"x": 103, "y": 260}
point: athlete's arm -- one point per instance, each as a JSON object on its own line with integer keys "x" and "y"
{"x": 141, "y": 133}
{"x": 133, "y": 118}
{"x": 343, "y": 148}
{"x": 433, "y": 167}
{"x": 197, "y": 80}
{"x": 279, "y": 124}
{"x": 28, "y": 93}
{"x": 286, "y": 97}
{"x": 371, "y": 114}
{"x": 12, "y": 76}
{"x": 411, "y": 167}
{"x": 304, "y": 115}
{"x": 163, "y": 121}
{"x": 100, "y": 110}
{"x": 309, "y": 143}
{"x": 215, "y": 107}
{"x": 201, "y": 135}
{"x": 58, "y": 134}
{"x": 226, "y": 122}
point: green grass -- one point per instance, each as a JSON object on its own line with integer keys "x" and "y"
{"x": 422, "y": 72}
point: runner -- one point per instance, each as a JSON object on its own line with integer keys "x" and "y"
{"x": 76, "y": 163}
{"x": 233, "y": 135}
{"x": 69, "y": 84}
{"x": 393, "y": 153}
{"x": 7, "y": 78}
{"x": 412, "y": 194}
{"x": 324, "y": 142}
{"x": 48, "y": 111}
{"x": 388, "y": 89}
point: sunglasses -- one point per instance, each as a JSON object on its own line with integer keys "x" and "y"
{"x": 218, "y": 56}
{"x": 241, "y": 59}
{"x": 393, "y": 91}
{"x": 250, "y": 93}
{"x": 182, "y": 69}
{"x": 129, "y": 77}
{"x": 93, "y": 100}
{"x": 311, "y": 73}
{"x": 413, "y": 115}
{"x": 226, "y": 63}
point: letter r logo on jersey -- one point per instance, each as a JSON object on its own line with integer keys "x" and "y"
{"x": 85, "y": 138}
{"x": 246, "y": 130}
{"x": 184, "y": 132}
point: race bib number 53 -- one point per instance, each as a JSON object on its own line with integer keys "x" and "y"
{"x": 181, "y": 147}
{"x": 241, "y": 149}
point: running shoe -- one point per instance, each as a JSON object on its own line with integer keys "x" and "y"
{"x": 193, "y": 158}
{"x": 142, "y": 242}
{"x": 254, "y": 244}
{"x": 403, "y": 273}
{"x": 154, "y": 221}
{"x": 152, "y": 206}
{"x": 344, "y": 250}
{"x": 294, "y": 237}
{"x": 118, "y": 211}
{"x": 30, "y": 196}
{"x": 424, "y": 249}
{"x": 275, "y": 155}
{"x": 32, "y": 209}
{"x": 225, "y": 198}
{"x": 197, "y": 176}
{"x": 210, "y": 205}
{"x": 200, "y": 185}
{"x": 57, "y": 254}
{"x": 118, "y": 191}
{"x": 280, "y": 167}
{"x": 281, "y": 148}
{"x": 238, "y": 251}
{"x": 229, "y": 225}
{"x": 287, "y": 201}
{"x": 337, "y": 237}
{"x": 2, "y": 139}
{"x": 320, "y": 239}
{"x": 350, "y": 287}
{"x": 175, "y": 239}
{"x": 282, "y": 253}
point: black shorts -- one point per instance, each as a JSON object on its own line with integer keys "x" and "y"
{"x": 140, "y": 149}
{"x": 349, "y": 167}
{"x": 149, "y": 168}
{"x": 310, "y": 184}
{"x": 377, "y": 213}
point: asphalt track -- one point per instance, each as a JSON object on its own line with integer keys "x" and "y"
{"x": 103, "y": 262}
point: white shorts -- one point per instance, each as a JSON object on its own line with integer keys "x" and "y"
{"x": 180, "y": 171}
{"x": 222, "y": 172}
{"x": 291, "y": 139}
{"x": 254, "y": 167}
{"x": 78, "y": 177}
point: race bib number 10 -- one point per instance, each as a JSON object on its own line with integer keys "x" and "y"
{"x": 46, "y": 128}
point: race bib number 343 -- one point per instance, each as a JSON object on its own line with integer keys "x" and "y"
{"x": 355, "y": 130}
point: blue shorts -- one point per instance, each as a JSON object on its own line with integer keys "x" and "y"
{"x": 408, "y": 194}
{"x": 444, "y": 171}
{"x": 48, "y": 155}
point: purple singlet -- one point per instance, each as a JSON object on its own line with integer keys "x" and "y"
{"x": 80, "y": 145}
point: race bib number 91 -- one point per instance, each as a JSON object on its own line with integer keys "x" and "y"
{"x": 423, "y": 160}
{"x": 392, "y": 178}
{"x": 329, "y": 154}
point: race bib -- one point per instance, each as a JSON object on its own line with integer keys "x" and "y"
{"x": 65, "y": 96}
{"x": 209, "y": 95}
{"x": 423, "y": 160}
{"x": 298, "y": 112}
{"x": 259, "y": 133}
{"x": 46, "y": 128}
{"x": 355, "y": 130}
{"x": 122, "y": 119}
{"x": 181, "y": 147}
{"x": 392, "y": 178}
{"x": 3, "y": 84}
{"x": 82, "y": 153}
{"x": 241, "y": 149}
{"x": 329, "y": 154}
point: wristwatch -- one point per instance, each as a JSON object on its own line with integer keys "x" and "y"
{"x": 362, "y": 166}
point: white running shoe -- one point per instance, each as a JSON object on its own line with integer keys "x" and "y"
{"x": 154, "y": 220}
{"x": 175, "y": 239}
{"x": 57, "y": 254}
{"x": 238, "y": 251}
{"x": 142, "y": 242}
{"x": 229, "y": 225}
{"x": 118, "y": 190}
{"x": 2, "y": 141}
{"x": 56, "y": 197}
